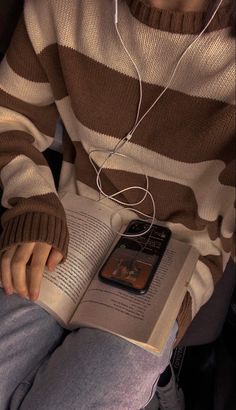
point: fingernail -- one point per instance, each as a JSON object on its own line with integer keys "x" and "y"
{"x": 34, "y": 296}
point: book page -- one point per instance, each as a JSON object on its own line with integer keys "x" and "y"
{"x": 131, "y": 315}
{"x": 90, "y": 239}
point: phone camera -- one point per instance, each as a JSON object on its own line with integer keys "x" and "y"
{"x": 138, "y": 227}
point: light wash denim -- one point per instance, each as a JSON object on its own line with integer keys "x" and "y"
{"x": 44, "y": 367}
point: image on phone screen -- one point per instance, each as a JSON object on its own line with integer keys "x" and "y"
{"x": 134, "y": 261}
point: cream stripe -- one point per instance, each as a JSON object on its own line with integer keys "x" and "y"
{"x": 200, "y": 177}
{"x": 28, "y": 91}
{"x": 67, "y": 179}
{"x": 199, "y": 239}
{"x": 208, "y": 69}
{"x": 200, "y": 287}
{"x": 68, "y": 118}
{"x": 13, "y": 121}
{"x": 228, "y": 223}
{"x": 23, "y": 178}
{"x": 205, "y": 246}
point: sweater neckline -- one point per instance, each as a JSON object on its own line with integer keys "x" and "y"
{"x": 177, "y": 21}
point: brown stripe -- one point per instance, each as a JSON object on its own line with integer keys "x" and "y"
{"x": 228, "y": 175}
{"x": 215, "y": 231}
{"x": 14, "y": 143}
{"x": 29, "y": 66}
{"x": 177, "y": 21}
{"x": 46, "y": 204}
{"x": 228, "y": 244}
{"x": 174, "y": 202}
{"x": 184, "y": 317}
{"x": 106, "y": 101}
{"x": 215, "y": 264}
{"x": 52, "y": 59}
{"x": 44, "y": 118}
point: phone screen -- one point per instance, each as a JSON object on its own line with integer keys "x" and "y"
{"x": 134, "y": 260}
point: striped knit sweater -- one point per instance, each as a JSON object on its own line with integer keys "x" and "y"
{"x": 66, "y": 62}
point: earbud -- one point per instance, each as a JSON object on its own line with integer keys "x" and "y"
{"x": 116, "y": 11}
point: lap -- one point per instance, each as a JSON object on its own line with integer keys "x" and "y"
{"x": 89, "y": 369}
{"x": 27, "y": 335}
{"x": 93, "y": 369}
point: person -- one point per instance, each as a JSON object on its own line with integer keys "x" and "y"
{"x": 66, "y": 63}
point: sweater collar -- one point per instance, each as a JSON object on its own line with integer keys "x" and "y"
{"x": 177, "y": 21}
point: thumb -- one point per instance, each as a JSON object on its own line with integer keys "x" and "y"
{"x": 54, "y": 258}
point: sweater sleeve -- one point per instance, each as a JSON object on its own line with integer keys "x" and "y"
{"x": 28, "y": 117}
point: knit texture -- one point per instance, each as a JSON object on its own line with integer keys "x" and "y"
{"x": 66, "y": 62}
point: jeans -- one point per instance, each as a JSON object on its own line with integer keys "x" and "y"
{"x": 44, "y": 367}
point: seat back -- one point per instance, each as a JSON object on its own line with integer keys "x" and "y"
{"x": 209, "y": 321}
{"x": 9, "y": 14}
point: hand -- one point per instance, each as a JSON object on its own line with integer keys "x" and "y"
{"x": 13, "y": 267}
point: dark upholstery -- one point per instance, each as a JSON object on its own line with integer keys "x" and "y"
{"x": 9, "y": 14}
{"x": 209, "y": 321}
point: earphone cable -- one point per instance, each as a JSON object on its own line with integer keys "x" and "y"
{"x": 137, "y": 122}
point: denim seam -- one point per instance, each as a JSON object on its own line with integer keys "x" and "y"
{"x": 151, "y": 394}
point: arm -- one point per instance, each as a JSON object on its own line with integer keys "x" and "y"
{"x": 28, "y": 117}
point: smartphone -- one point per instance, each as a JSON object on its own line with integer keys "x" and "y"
{"x": 134, "y": 261}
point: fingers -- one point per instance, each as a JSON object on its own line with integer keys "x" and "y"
{"x": 25, "y": 280}
{"x": 6, "y": 277}
{"x": 19, "y": 260}
{"x": 54, "y": 259}
{"x": 38, "y": 262}
{"x": 13, "y": 266}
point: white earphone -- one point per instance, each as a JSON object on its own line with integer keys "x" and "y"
{"x": 116, "y": 12}
{"x": 129, "y": 135}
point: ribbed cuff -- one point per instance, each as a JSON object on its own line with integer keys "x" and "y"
{"x": 35, "y": 227}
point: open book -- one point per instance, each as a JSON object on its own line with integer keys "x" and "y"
{"x": 77, "y": 298}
